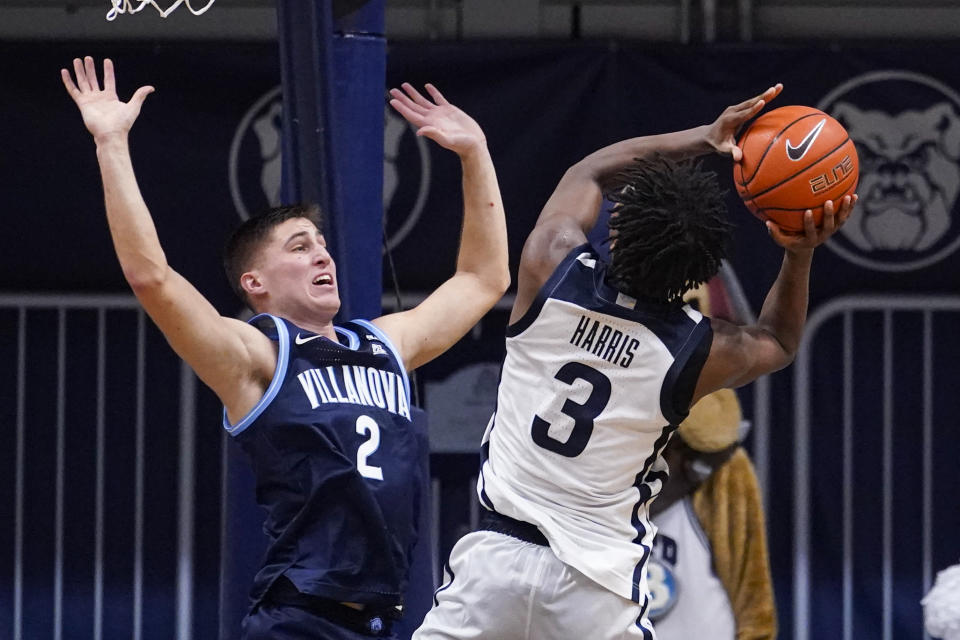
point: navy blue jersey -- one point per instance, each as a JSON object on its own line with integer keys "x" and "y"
{"x": 336, "y": 464}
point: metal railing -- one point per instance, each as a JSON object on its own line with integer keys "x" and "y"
{"x": 103, "y": 312}
{"x": 846, "y": 310}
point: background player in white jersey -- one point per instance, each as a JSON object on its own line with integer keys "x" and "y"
{"x": 709, "y": 572}
{"x": 310, "y": 420}
{"x": 603, "y": 361}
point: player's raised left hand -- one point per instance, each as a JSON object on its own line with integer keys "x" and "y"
{"x": 103, "y": 112}
{"x": 439, "y": 120}
{"x": 813, "y": 236}
{"x": 722, "y": 133}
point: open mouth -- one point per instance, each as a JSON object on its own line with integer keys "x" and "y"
{"x": 323, "y": 279}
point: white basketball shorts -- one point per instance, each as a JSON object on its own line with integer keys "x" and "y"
{"x": 497, "y": 587}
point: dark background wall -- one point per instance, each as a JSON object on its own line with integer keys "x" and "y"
{"x": 543, "y": 105}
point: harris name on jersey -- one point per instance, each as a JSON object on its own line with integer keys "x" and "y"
{"x": 604, "y": 341}
{"x": 355, "y": 385}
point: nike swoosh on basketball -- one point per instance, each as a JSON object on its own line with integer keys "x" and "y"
{"x": 300, "y": 340}
{"x": 797, "y": 152}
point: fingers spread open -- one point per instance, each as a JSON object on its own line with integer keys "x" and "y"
{"x": 109, "y": 84}
{"x": 415, "y": 95}
{"x": 402, "y": 98}
{"x": 82, "y": 84}
{"x": 407, "y": 112}
{"x": 68, "y": 83}
{"x": 140, "y": 95}
{"x": 435, "y": 94}
{"x": 91, "y": 71}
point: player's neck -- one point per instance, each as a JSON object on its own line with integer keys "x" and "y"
{"x": 307, "y": 321}
{"x": 320, "y": 328}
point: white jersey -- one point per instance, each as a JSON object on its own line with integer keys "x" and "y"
{"x": 688, "y": 600}
{"x": 592, "y": 387}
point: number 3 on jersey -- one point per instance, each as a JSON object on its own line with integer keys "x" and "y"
{"x": 367, "y": 425}
{"x": 583, "y": 414}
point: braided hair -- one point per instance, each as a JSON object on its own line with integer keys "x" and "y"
{"x": 668, "y": 229}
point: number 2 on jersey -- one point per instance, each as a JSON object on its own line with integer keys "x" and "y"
{"x": 583, "y": 414}
{"x": 367, "y": 425}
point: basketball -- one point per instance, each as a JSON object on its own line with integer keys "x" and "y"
{"x": 795, "y": 158}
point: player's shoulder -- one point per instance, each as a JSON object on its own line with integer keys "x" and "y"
{"x": 546, "y": 247}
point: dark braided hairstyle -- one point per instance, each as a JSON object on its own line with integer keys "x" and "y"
{"x": 246, "y": 240}
{"x": 668, "y": 229}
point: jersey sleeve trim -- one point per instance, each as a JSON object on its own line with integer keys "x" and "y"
{"x": 283, "y": 359}
{"x": 555, "y": 278}
{"x": 353, "y": 339}
{"x": 682, "y": 376}
{"x": 375, "y": 330}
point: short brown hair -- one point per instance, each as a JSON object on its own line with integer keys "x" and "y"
{"x": 247, "y": 239}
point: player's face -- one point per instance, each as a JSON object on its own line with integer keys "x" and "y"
{"x": 298, "y": 276}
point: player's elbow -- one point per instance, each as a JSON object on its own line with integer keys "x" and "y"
{"x": 583, "y": 171}
{"x": 145, "y": 279}
{"x": 492, "y": 288}
{"x": 787, "y": 358}
{"x": 500, "y": 283}
{"x": 785, "y": 352}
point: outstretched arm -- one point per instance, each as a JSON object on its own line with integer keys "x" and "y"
{"x": 742, "y": 354}
{"x": 482, "y": 274}
{"x": 231, "y": 357}
{"x": 573, "y": 208}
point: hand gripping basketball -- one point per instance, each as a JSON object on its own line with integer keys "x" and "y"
{"x": 794, "y": 160}
{"x": 722, "y": 133}
{"x": 833, "y": 217}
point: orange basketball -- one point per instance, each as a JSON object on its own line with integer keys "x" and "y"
{"x": 794, "y": 159}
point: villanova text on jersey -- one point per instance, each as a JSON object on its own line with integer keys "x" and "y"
{"x": 336, "y": 464}
{"x": 611, "y": 344}
{"x": 355, "y": 385}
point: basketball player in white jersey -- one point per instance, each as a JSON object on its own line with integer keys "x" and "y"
{"x": 603, "y": 361}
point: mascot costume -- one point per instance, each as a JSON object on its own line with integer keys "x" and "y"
{"x": 709, "y": 573}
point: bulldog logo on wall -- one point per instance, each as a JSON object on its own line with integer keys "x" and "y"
{"x": 256, "y": 163}
{"x": 907, "y": 130}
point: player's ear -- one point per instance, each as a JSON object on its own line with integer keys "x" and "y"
{"x": 250, "y": 282}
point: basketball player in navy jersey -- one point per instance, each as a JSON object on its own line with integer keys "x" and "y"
{"x": 322, "y": 410}
{"x": 603, "y": 362}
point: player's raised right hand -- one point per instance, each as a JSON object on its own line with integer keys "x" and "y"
{"x": 103, "y": 112}
{"x": 722, "y": 133}
{"x": 439, "y": 120}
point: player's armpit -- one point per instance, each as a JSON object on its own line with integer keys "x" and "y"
{"x": 738, "y": 356}
{"x": 436, "y": 324}
{"x": 231, "y": 357}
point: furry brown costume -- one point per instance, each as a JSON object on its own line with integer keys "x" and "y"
{"x": 728, "y": 503}
{"x": 729, "y": 507}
